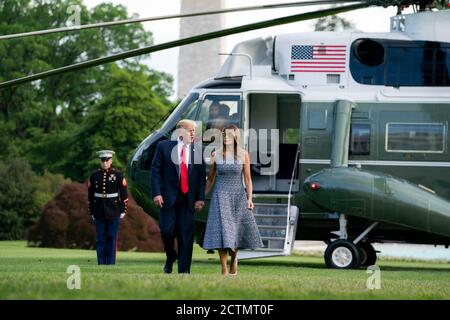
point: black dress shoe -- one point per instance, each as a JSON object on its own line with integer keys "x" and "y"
{"x": 168, "y": 267}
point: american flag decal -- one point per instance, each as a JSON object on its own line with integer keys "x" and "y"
{"x": 318, "y": 58}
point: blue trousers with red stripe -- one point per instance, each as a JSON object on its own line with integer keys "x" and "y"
{"x": 106, "y": 240}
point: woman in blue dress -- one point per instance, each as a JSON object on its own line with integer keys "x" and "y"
{"x": 231, "y": 224}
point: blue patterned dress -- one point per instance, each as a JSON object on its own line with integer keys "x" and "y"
{"x": 230, "y": 224}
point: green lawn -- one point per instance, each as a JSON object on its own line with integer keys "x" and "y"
{"x": 36, "y": 273}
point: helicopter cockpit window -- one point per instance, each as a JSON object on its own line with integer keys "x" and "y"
{"x": 186, "y": 110}
{"x": 360, "y": 139}
{"x": 415, "y": 137}
{"x": 219, "y": 111}
{"x": 400, "y": 63}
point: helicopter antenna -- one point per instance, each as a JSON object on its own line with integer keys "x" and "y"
{"x": 185, "y": 41}
{"x": 185, "y": 15}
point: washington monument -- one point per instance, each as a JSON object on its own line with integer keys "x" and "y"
{"x": 199, "y": 61}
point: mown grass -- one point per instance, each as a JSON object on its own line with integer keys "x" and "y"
{"x": 39, "y": 273}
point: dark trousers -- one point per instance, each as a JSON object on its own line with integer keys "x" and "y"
{"x": 178, "y": 222}
{"x": 106, "y": 240}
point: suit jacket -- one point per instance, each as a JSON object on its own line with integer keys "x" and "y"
{"x": 165, "y": 178}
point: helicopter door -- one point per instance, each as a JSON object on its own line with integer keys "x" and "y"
{"x": 275, "y": 122}
{"x": 274, "y": 125}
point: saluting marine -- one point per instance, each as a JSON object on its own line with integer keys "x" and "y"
{"x": 107, "y": 202}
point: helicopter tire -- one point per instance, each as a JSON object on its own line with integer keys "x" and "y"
{"x": 342, "y": 254}
{"x": 368, "y": 254}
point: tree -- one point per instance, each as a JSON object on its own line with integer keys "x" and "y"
{"x": 47, "y": 185}
{"x": 120, "y": 120}
{"x": 16, "y": 198}
{"x": 333, "y": 23}
{"x": 57, "y": 123}
{"x": 48, "y": 104}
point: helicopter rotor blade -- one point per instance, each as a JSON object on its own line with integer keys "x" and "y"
{"x": 185, "y": 15}
{"x": 185, "y": 41}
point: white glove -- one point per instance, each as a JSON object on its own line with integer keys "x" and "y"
{"x": 92, "y": 216}
{"x": 122, "y": 215}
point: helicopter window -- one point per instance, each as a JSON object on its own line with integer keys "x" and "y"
{"x": 400, "y": 63}
{"x": 191, "y": 111}
{"x": 187, "y": 108}
{"x": 188, "y": 111}
{"x": 360, "y": 139}
{"x": 415, "y": 137}
{"x": 147, "y": 156}
{"x": 369, "y": 52}
{"x": 218, "y": 111}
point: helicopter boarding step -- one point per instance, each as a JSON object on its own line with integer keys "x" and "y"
{"x": 277, "y": 226}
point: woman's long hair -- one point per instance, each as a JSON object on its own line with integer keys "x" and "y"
{"x": 237, "y": 149}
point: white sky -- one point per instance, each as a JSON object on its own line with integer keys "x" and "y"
{"x": 368, "y": 20}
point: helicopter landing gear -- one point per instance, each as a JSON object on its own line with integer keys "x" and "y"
{"x": 346, "y": 254}
{"x": 367, "y": 251}
{"x": 368, "y": 254}
{"x": 342, "y": 254}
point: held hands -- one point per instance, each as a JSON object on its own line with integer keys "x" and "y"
{"x": 250, "y": 205}
{"x": 92, "y": 217}
{"x": 199, "y": 205}
{"x": 158, "y": 201}
{"x": 122, "y": 215}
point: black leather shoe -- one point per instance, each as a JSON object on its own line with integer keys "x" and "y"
{"x": 168, "y": 266}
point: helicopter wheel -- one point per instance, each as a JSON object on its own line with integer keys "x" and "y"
{"x": 368, "y": 254}
{"x": 342, "y": 254}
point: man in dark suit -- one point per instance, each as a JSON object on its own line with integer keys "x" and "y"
{"x": 178, "y": 188}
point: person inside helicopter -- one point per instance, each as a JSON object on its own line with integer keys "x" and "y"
{"x": 218, "y": 116}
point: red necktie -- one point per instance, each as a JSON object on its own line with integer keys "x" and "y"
{"x": 184, "y": 170}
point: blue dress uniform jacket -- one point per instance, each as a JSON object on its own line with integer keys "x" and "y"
{"x": 107, "y": 195}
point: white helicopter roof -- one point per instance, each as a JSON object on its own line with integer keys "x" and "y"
{"x": 313, "y": 61}
{"x": 427, "y": 25}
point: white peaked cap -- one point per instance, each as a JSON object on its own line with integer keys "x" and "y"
{"x": 105, "y": 153}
